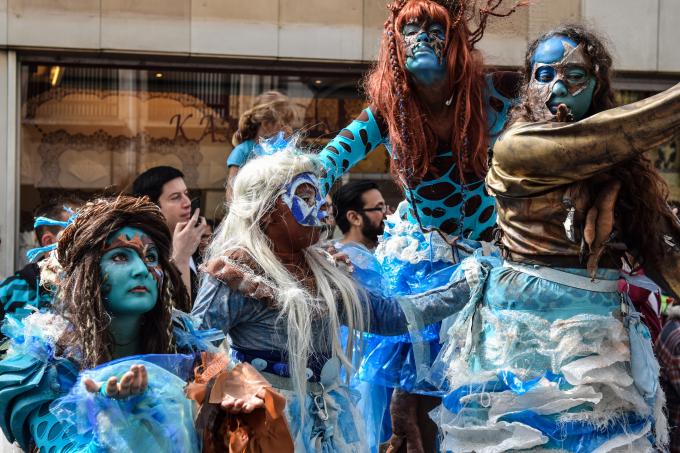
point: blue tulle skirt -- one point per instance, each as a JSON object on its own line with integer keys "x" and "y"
{"x": 536, "y": 365}
{"x": 407, "y": 261}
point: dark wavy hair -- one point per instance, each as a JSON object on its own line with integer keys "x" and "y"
{"x": 643, "y": 201}
{"x": 79, "y": 294}
{"x": 601, "y": 59}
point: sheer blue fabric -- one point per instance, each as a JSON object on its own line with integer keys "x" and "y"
{"x": 160, "y": 419}
{"x": 535, "y": 364}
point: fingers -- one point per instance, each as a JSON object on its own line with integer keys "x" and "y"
{"x": 144, "y": 378}
{"x": 136, "y": 384}
{"x": 342, "y": 257}
{"x": 125, "y": 384}
{"x": 232, "y": 405}
{"x": 112, "y": 387}
{"x": 562, "y": 113}
{"x": 91, "y": 386}
{"x": 255, "y": 402}
{"x": 228, "y": 403}
{"x": 195, "y": 216}
{"x": 180, "y": 226}
{"x": 238, "y": 405}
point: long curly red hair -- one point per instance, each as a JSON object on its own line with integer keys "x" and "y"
{"x": 391, "y": 92}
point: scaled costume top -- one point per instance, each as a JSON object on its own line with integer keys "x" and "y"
{"x": 441, "y": 199}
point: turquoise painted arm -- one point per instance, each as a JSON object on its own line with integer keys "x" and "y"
{"x": 349, "y": 147}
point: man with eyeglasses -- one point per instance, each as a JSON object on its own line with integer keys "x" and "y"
{"x": 360, "y": 213}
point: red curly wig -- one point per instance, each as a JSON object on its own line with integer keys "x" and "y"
{"x": 391, "y": 93}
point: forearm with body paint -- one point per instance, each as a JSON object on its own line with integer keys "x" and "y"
{"x": 349, "y": 147}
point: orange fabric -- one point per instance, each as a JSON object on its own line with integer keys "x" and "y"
{"x": 263, "y": 430}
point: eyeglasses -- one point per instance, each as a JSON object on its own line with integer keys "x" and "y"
{"x": 382, "y": 209}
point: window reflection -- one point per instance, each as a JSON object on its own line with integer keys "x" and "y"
{"x": 89, "y": 130}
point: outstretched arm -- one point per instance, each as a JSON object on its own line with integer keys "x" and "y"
{"x": 532, "y": 158}
{"x": 350, "y": 146}
{"x": 388, "y": 316}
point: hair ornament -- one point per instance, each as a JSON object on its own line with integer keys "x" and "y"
{"x": 276, "y": 144}
{"x": 35, "y": 253}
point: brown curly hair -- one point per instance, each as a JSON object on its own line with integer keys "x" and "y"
{"x": 79, "y": 294}
{"x": 643, "y": 201}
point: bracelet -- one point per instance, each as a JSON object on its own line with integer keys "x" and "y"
{"x": 102, "y": 390}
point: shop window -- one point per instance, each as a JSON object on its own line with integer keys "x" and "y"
{"x": 88, "y": 131}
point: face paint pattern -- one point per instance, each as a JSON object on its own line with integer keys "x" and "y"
{"x": 545, "y": 77}
{"x": 430, "y": 35}
{"x": 306, "y": 211}
{"x": 140, "y": 243}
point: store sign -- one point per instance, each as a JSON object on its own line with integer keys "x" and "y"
{"x": 209, "y": 129}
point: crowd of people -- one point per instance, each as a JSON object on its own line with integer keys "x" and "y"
{"x": 521, "y": 297}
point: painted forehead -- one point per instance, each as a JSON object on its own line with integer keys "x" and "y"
{"x": 553, "y": 49}
{"x": 304, "y": 178}
{"x": 129, "y": 237}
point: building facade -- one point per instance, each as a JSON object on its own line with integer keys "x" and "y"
{"x": 93, "y": 92}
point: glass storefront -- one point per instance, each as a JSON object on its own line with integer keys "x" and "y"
{"x": 88, "y": 130}
{"x": 91, "y": 130}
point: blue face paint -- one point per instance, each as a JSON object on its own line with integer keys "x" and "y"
{"x": 304, "y": 200}
{"x": 561, "y": 74}
{"x": 131, "y": 273}
{"x": 424, "y": 45}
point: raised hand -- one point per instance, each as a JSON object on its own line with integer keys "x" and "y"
{"x": 243, "y": 405}
{"x": 134, "y": 382}
{"x": 563, "y": 113}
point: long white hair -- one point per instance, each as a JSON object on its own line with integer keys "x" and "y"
{"x": 257, "y": 187}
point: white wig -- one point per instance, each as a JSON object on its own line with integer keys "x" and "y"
{"x": 257, "y": 187}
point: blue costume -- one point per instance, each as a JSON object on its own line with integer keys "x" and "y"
{"x": 241, "y": 153}
{"x": 548, "y": 355}
{"x": 410, "y": 260}
{"x": 43, "y": 401}
{"x": 332, "y": 422}
{"x": 440, "y": 198}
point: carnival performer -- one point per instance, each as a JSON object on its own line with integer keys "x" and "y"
{"x": 282, "y": 302}
{"x": 72, "y": 379}
{"x": 437, "y": 112}
{"x": 548, "y": 355}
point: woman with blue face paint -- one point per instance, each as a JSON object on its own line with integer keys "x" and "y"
{"x": 437, "y": 113}
{"x": 74, "y": 378}
{"x": 281, "y": 301}
{"x": 549, "y": 355}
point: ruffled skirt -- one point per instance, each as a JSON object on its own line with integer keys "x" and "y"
{"x": 535, "y": 365}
